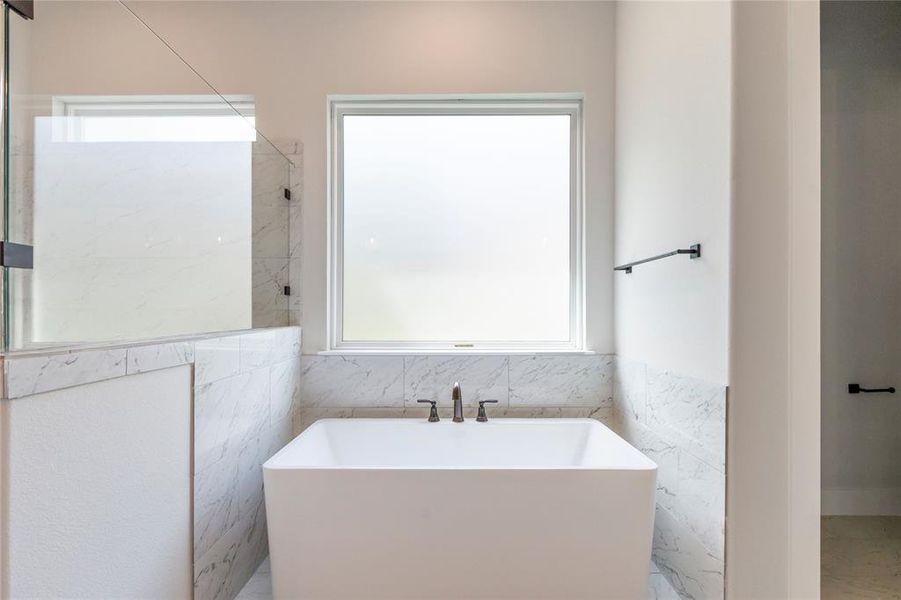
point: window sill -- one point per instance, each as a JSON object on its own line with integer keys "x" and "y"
{"x": 460, "y": 352}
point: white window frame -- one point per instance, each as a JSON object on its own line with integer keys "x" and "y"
{"x": 528, "y": 104}
{"x": 170, "y": 105}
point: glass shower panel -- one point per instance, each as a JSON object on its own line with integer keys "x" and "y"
{"x": 153, "y": 205}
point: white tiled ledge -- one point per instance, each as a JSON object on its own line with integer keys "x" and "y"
{"x": 214, "y": 355}
{"x": 117, "y": 344}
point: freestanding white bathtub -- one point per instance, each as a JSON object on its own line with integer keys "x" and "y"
{"x": 512, "y": 508}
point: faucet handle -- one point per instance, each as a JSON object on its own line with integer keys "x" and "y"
{"x": 483, "y": 416}
{"x": 433, "y": 412}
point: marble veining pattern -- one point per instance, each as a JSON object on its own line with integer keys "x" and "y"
{"x": 260, "y": 585}
{"x": 221, "y": 419}
{"x": 284, "y": 383}
{"x": 659, "y": 587}
{"x": 701, "y": 502}
{"x": 517, "y": 381}
{"x": 269, "y": 302}
{"x": 216, "y": 501}
{"x": 275, "y": 233}
{"x": 630, "y": 388}
{"x": 693, "y": 408}
{"x": 216, "y": 358}
{"x": 222, "y": 572}
{"x": 348, "y": 381}
{"x": 662, "y": 452}
{"x": 691, "y": 569}
{"x": 35, "y": 374}
{"x": 679, "y": 422}
{"x": 240, "y": 421}
{"x": 565, "y": 380}
{"x": 269, "y": 346}
{"x": 431, "y": 377}
{"x": 250, "y": 472}
{"x": 141, "y": 359}
{"x": 270, "y": 177}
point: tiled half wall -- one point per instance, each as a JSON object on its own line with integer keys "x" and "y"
{"x": 680, "y": 423}
{"x": 245, "y": 393}
{"x": 253, "y": 392}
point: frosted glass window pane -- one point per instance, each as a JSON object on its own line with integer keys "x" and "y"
{"x": 456, "y": 228}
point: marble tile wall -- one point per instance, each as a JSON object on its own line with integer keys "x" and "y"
{"x": 680, "y": 423}
{"x": 246, "y": 394}
{"x": 564, "y": 385}
{"x": 276, "y": 223}
{"x": 253, "y": 392}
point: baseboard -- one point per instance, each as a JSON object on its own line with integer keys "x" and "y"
{"x": 861, "y": 501}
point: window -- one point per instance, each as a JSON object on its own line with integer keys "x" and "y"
{"x": 455, "y": 224}
{"x": 143, "y": 118}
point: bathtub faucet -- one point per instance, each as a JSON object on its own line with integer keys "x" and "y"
{"x": 458, "y": 403}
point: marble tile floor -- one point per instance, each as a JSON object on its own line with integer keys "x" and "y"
{"x": 260, "y": 586}
{"x": 861, "y": 557}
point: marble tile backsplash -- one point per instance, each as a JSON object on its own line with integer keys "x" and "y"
{"x": 432, "y": 377}
{"x": 351, "y": 381}
{"x": 389, "y": 386}
{"x": 680, "y": 423}
{"x": 548, "y": 380}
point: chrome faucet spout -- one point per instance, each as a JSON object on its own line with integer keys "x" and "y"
{"x": 457, "y": 396}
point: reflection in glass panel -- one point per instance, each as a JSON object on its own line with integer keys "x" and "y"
{"x": 153, "y": 205}
{"x": 131, "y": 212}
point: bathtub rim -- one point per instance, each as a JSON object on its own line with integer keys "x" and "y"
{"x": 647, "y": 464}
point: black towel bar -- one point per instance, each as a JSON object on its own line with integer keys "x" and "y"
{"x": 694, "y": 251}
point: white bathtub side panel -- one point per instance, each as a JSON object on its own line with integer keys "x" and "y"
{"x": 473, "y": 534}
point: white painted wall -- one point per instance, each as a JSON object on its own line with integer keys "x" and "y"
{"x": 673, "y": 149}
{"x": 768, "y": 290}
{"x": 291, "y": 55}
{"x": 97, "y": 497}
{"x": 861, "y": 113}
{"x": 673, "y": 170}
{"x": 773, "y": 458}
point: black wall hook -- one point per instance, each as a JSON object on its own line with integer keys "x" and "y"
{"x": 854, "y": 388}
